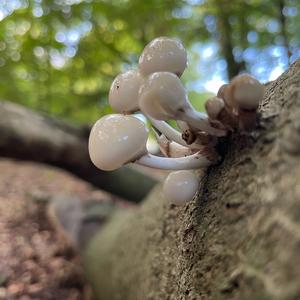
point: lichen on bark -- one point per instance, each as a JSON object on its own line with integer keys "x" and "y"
{"x": 238, "y": 239}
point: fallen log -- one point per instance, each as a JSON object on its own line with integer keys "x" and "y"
{"x": 28, "y": 135}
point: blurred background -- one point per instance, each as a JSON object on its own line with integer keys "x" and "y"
{"x": 60, "y": 56}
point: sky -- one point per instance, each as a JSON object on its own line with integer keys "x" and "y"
{"x": 265, "y": 64}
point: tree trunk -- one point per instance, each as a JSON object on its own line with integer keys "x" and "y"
{"x": 283, "y": 29}
{"x": 238, "y": 239}
{"x": 32, "y": 136}
{"x": 225, "y": 30}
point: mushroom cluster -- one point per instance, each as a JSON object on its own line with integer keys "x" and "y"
{"x": 155, "y": 89}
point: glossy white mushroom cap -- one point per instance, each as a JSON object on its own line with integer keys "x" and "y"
{"x": 116, "y": 140}
{"x": 123, "y": 93}
{"x": 180, "y": 187}
{"x": 213, "y": 107}
{"x": 163, "y": 54}
{"x": 246, "y": 92}
{"x": 162, "y": 95}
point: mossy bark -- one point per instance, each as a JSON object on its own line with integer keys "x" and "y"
{"x": 238, "y": 239}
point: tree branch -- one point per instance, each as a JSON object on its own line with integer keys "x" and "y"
{"x": 34, "y": 136}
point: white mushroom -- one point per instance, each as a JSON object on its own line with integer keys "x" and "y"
{"x": 163, "y": 54}
{"x": 180, "y": 187}
{"x": 118, "y": 139}
{"x": 123, "y": 93}
{"x": 123, "y": 98}
{"x": 162, "y": 96}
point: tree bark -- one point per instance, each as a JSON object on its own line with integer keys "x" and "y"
{"x": 238, "y": 239}
{"x": 33, "y": 136}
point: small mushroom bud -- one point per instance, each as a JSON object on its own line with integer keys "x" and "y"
{"x": 244, "y": 95}
{"x": 115, "y": 140}
{"x": 118, "y": 139}
{"x": 123, "y": 94}
{"x": 162, "y": 96}
{"x": 180, "y": 187}
{"x": 217, "y": 111}
{"x": 225, "y": 93}
{"x": 244, "y": 92}
{"x": 163, "y": 54}
{"x": 213, "y": 107}
{"x": 221, "y": 91}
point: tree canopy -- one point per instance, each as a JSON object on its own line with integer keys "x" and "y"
{"x": 60, "y": 56}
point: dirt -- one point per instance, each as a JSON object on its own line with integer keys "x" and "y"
{"x": 35, "y": 263}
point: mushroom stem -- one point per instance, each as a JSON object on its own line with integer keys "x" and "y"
{"x": 247, "y": 119}
{"x": 199, "y": 121}
{"x": 171, "y": 133}
{"x": 194, "y": 161}
{"x": 183, "y": 126}
{"x": 170, "y": 148}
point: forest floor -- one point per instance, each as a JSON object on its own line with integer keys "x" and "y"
{"x": 35, "y": 262}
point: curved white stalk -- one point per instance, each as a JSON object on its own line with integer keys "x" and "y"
{"x": 193, "y": 117}
{"x": 199, "y": 121}
{"x": 194, "y": 161}
{"x": 171, "y": 133}
{"x": 183, "y": 126}
{"x": 170, "y": 148}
